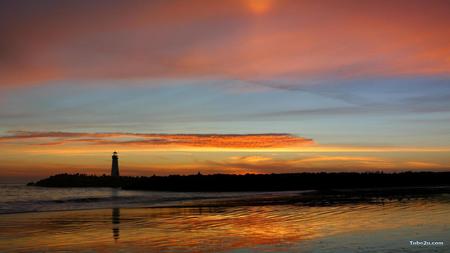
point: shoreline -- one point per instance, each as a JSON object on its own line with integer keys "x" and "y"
{"x": 336, "y": 197}
{"x": 290, "y": 227}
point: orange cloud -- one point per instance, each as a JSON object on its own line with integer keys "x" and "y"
{"x": 339, "y": 158}
{"x": 171, "y": 39}
{"x": 154, "y": 140}
{"x": 267, "y": 164}
{"x": 426, "y": 165}
{"x": 251, "y": 159}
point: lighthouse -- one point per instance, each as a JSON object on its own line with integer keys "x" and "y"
{"x": 115, "y": 165}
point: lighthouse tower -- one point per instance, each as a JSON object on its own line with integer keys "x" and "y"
{"x": 115, "y": 165}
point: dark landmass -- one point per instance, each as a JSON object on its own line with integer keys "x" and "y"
{"x": 376, "y": 183}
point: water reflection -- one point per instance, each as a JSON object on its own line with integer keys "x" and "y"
{"x": 116, "y": 223}
{"x": 115, "y": 193}
{"x": 115, "y": 216}
{"x": 286, "y": 228}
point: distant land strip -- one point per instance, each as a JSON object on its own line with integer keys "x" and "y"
{"x": 255, "y": 182}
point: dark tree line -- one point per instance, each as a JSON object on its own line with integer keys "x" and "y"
{"x": 253, "y": 182}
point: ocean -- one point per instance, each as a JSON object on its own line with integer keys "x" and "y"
{"x": 34, "y": 219}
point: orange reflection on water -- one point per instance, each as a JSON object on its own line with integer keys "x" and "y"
{"x": 211, "y": 229}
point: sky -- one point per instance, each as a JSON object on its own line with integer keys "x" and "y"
{"x": 236, "y": 86}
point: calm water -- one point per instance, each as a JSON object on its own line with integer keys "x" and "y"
{"x": 16, "y": 198}
{"x": 121, "y": 226}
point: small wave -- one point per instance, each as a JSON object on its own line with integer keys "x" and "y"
{"x": 96, "y": 203}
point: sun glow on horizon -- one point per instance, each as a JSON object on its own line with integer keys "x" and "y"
{"x": 259, "y": 6}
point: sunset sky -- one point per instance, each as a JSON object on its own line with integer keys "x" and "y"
{"x": 235, "y": 86}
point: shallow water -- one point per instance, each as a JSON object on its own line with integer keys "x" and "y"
{"x": 16, "y": 198}
{"x": 383, "y": 227}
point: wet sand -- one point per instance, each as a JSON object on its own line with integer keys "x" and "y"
{"x": 385, "y": 226}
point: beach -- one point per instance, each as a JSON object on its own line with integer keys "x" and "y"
{"x": 173, "y": 224}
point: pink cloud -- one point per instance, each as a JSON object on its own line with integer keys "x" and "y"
{"x": 231, "y": 39}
